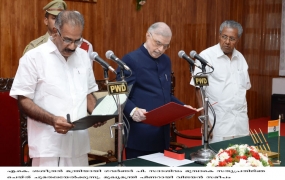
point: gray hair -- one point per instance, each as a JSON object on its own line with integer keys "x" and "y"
{"x": 232, "y": 24}
{"x": 160, "y": 28}
{"x": 69, "y": 17}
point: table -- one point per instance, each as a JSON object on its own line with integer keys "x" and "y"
{"x": 273, "y": 143}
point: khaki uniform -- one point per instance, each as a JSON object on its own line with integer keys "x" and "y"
{"x": 36, "y": 42}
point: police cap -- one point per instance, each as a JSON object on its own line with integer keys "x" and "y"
{"x": 55, "y": 7}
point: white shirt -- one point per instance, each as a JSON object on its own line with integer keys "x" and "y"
{"x": 59, "y": 87}
{"x": 227, "y": 86}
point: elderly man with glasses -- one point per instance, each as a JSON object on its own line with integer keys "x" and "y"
{"x": 151, "y": 88}
{"x": 227, "y": 84}
{"x": 52, "y": 9}
{"x": 53, "y": 80}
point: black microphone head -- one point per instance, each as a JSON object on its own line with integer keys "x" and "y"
{"x": 108, "y": 54}
{"x": 181, "y": 53}
{"x": 93, "y": 55}
{"x": 193, "y": 54}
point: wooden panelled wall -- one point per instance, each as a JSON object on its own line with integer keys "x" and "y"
{"x": 116, "y": 25}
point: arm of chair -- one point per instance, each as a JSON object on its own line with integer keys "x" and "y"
{"x": 173, "y": 140}
{"x": 187, "y": 136}
{"x": 174, "y": 132}
{"x": 101, "y": 156}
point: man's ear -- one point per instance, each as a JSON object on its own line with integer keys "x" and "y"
{"x": 147, "y": 35}
{"x": 237, "y": 40}
{"x": 46, "y": 21}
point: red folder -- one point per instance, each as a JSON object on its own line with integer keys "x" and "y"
{"x": 167, "y": 113}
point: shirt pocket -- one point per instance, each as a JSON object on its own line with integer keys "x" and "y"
{"x": 80, "y": 80}
{"x": 55, "y": 100}
{"x": 220, "y": 77}
{"x": 243, "y": 79}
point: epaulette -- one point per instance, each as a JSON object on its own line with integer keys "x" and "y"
{"x": 36, "y": 43}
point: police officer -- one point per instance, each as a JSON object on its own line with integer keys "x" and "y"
{"x": 52, "y": 9}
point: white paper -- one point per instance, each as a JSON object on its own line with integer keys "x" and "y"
{"x": 161, "y": 159}
{"x": 108, "y": 105}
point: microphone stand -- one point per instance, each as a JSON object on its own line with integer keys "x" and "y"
{"x": 204, "y": 155}
{"x": 191, "y": 69}
{"x": 120, "y": 125}
{"x": 106, "y": 76}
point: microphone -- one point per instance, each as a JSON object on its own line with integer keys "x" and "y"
{"x": 182, "y": 54}
{"x": 111, "y": 55}
{"x": 94, "y": 56}
{"x": 194, "y": 54}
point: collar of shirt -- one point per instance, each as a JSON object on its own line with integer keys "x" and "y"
{"x": 220, "y": 53}
{"x": 51, "y": 46}
{"x": 145, "y": 51}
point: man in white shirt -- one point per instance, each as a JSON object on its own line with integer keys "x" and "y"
{"x": 52, "y": 9}
{"x": 53, "y": 80}
{"x": 228, "y": 84}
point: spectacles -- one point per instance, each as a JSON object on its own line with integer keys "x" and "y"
{"x": 159, "y": 44}
{"x": 70, "y": 41}
{"x": 225, "y": 37}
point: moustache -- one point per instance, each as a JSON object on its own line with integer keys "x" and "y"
{"x": 69, "y": 50}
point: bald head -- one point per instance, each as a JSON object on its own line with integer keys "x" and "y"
{"x": 158, "y": 37}
{"x": 160, "y": 28}
{"x": 69, "y": 17}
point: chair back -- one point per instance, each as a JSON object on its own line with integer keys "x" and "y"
{"x": 100, "y": 138}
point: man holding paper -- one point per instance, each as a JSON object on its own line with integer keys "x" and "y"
{"x": 53, "y": 80}
{"x": 151, "y": 88}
